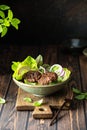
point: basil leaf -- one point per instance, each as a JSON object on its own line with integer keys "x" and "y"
{"x": 2, "y": 100}
{"x": 1, "y": 21}
{"x": 38, "y": 103}
{"x": 80, "y": 97}
{"x": 6, "y": 22}
{"x": 15, "y": 22}
{"x": 27, "y": 99}
{"x": 77, "y": 91}
{"x": 10, "y": 14}
{"x": 3, "y": 33}
{"x": 1, "y": 29}
{"x": 4, "y": 7}
{"x": 2, "y": 14}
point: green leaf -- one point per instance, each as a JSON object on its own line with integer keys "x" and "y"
{"x": 3, "y": 33}
{"x": 75, "y": 90}
{"x": 38, "y": 103}
{"x": 14, "y": 65}
{"x": 2, "y": 14}
{"x": 6, "y": 22}
{"x": 15, "y": 22}
{"x": 39, "y": 60}
{"x": 4, "y": 7}
{"x": 1, "y": 21}
{"x": 1, "y": 29}
{"x": 10, "y": 14}
{"x": 80, "y": 97}
{"x": 27, "y": 99}
{"x": 2, "y": 100}
{"x": 29, "y": 63}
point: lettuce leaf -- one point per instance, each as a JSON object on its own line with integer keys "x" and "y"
{"x": 20, "y": 68}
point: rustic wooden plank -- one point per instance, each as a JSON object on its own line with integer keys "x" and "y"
{"x": 21, "y": 120}
{"x": 39, "y": 124}
{"x": 71, "y": 120}
{"x": 8, "y": 111}
{"x": 83, "y": 66}
{"x": 75, "y": 120}
{"x": 4, "y": 84}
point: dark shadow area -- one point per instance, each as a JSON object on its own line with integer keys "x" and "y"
{"x": 47, "y": 22}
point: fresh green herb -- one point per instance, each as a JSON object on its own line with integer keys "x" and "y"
{"x": 2, "y": 100}
{"x": 79, "y": 95}
{"x": 7, "y": 19}
{"x": 27, "y": 99}
{"x": 38, "y": 103}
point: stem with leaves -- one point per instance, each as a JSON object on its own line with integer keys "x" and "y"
{"x": 7, "y": 19}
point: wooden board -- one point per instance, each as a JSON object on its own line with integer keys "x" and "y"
{"x": 44, "y": 111}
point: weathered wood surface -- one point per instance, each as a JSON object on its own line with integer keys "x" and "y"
{"x": 11, "y": 119}
{"x": 53, "y": 101}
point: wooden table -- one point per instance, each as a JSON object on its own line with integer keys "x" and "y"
{"x": 10, "y": 118}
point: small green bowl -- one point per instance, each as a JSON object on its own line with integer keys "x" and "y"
{"x": 41, "y": 90}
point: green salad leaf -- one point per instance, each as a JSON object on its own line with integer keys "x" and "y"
{"x": 20, "y": 68}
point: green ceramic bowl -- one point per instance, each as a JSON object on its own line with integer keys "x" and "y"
{"x": 41, "y": 90}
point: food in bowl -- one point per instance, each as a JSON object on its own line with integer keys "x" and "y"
{"x": 34, "y": 74}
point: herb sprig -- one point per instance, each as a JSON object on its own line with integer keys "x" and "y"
{"x": 7, "y": 19}
{"x": 79, "y": 95}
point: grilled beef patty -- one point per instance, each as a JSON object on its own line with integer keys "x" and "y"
{"x": 43, "y": 79}
{"x": 32, "y": 76}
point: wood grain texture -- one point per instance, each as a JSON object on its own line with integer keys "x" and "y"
{"x": 53, "y": 101}
{"x": 11, "y": 119}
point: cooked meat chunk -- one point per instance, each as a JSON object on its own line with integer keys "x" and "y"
{"x": 47, "y": 78}
{"x": 32, "y": 76}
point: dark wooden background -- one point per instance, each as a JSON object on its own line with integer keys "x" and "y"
{"x": 47, "y": 21}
